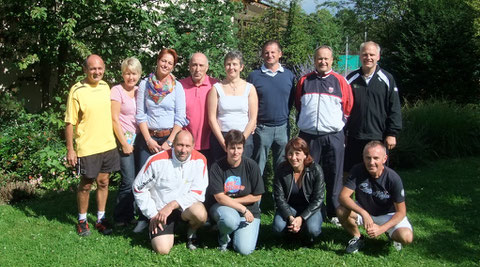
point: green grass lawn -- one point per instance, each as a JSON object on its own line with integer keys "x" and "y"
{"x": 442, "y": 204}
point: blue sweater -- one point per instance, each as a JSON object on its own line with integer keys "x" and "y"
{"x": 275, "y": 96}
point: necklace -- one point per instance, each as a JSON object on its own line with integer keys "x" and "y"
{"x": 233, "y": 87}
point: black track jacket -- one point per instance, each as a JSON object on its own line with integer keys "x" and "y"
{"x": 376, "y": 111}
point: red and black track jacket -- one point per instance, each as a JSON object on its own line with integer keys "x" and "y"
{"x": 323, "y": 102}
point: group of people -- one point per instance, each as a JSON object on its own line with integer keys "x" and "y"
{"x": 194, "y": 150}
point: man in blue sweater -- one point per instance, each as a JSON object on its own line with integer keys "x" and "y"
{"x": 275, "y": 88}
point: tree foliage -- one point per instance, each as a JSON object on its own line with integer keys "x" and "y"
{"x": 431, "y": 46}
{"x": 51, "y": 38}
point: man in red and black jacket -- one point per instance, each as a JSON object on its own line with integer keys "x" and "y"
{"x": 324, "y": 99}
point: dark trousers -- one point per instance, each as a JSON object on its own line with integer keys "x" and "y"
{"x": 328, "y": 150}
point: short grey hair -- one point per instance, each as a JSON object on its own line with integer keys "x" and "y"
{"x": 322, "y": 47}
{"x": 132, "y": 64}
{"x": 234, "y": 55}
{"x": 362, "y": 46}
{"x": 374, "y": 144}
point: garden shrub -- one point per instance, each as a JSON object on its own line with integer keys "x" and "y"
{"x": 437, "y": 129}
{"x": 31, "y": 147}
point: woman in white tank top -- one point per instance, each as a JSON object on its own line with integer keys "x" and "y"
{"x": 232, "y": 105}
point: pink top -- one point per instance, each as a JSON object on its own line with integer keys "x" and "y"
{"x": 196, "y": 100}
{"x": 127, "y": 109}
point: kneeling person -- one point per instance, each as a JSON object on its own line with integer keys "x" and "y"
{"x": 171, "y": 187}
{"x": 298, "y": 190}
{"x": 380, "y": 205}
{"x": 237, "y": 187}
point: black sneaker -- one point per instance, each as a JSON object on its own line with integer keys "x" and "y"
{"x": 192, "y": 243}
{"x": 82, "y": 228}
{"x": 355, "y": 244}
{"x": 104, "y": 227}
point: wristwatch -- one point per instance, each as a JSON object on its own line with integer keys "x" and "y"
{"x": 169, "y": 143}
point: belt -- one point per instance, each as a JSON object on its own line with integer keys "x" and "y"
{"x": 160, "y": 133}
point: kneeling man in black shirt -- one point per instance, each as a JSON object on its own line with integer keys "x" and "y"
{"x": 380, "y": 201}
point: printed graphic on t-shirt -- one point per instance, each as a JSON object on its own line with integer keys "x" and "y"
{"x": 233, "y": 184}
{"x": 365, "y": 188}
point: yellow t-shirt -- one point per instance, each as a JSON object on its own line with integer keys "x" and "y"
{"x": 88, "y": 108}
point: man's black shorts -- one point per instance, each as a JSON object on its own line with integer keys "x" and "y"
{"x": 169, "y": 228}
{"x": 105, "y": 162}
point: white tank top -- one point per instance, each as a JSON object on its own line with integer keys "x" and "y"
{"x": 232, "y": 111}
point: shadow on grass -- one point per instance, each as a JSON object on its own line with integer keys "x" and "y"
{"x": 443, "y": 206}
{"x": 62, "y": 207}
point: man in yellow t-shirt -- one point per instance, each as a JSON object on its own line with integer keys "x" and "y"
{"x": 95, "y": 157}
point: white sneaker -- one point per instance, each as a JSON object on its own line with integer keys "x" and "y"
{"x": 397, "y": 245}
{"x": 141, "y": 225}
{"x": 335, "y": 221}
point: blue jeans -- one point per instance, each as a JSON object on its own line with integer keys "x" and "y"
{"x": 124, "y": 208}
{"x": 229, "y": 221}
{"x": 265, "y": 137}
{"x": 143, "y": 151}
{"x": 312, "y": 227}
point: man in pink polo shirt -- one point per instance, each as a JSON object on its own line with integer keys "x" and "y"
{"x": 196, "y": 87}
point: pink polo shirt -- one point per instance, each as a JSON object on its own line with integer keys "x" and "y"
{"x": 196, "y": 100}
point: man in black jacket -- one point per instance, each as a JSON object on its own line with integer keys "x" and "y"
{"x": 376, "y": 112}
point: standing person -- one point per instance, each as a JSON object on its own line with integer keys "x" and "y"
{"x": 233, "y": 105}
{"x": 380, "y": 201}
{"x": 196, "y": 87}
{"x": 324, "y": 100}
{"x": 95, "y": 156}
{"x": 123, "y": 97}
{"x": 275, "y": 88}
{"x": 237, "y": 187}
{"x": 171, "y": 188}
{"x": 298, "y": 191}
{"x": 376, "y": 112}
{"x": 160, "y": 111}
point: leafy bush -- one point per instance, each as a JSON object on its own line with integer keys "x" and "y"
{"x": 437, "y": 129}
{"x": 31, "y": 147}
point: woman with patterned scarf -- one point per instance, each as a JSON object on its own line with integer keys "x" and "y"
{"x": 160, "y": 111}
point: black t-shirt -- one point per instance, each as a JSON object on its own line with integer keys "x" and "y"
{"x": 236, "y": 182}
{"x": 376, "y": 196}
{"x": 297, "y": 199}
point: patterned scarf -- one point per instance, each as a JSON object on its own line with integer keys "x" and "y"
{"x": 158, "y": 90}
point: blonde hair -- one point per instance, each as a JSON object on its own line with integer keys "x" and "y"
{"x": 133, "y": 64}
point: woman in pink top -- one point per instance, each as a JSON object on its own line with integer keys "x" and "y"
{"x": 123, "y": 97}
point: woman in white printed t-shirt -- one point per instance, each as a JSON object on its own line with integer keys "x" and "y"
{"x": 233, "y": 105}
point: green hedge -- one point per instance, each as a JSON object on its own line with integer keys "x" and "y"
{"x": 32, "y": 149}
{"x": 436, "y": 129}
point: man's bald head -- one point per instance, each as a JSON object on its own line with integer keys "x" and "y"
{"x": 94, "y": 68}
{"x": 183, "y": 145}
{"x": 198, "y": 67}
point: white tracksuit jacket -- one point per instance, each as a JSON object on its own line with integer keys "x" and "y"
{"x": 164, "y": 178}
